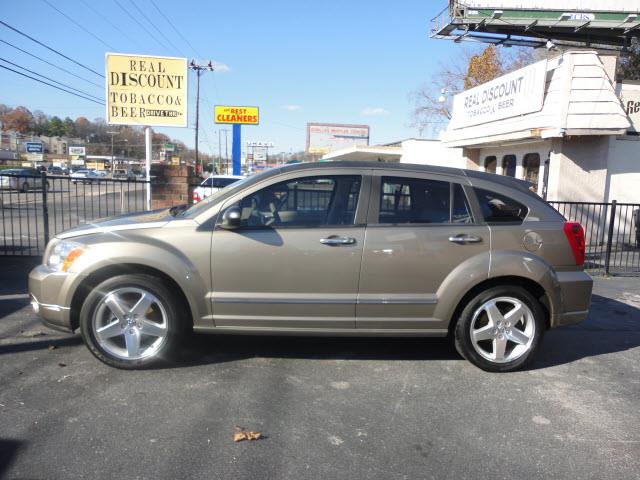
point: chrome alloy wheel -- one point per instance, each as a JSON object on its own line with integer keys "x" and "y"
{"x": 502, "y": 329}
{"x": 130, "y": 323}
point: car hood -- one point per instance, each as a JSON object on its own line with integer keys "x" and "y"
{"x": 131, "y": 221}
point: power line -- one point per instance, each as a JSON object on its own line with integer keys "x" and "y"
{"x": 52, "y": 64}
{"x": 175, "y": 29}
{"x": 78, "y": 25}
{"x": 106, "y": 19}
{"x": 139, "y": 23}
{"x": 154, "y": 25}
{"x": 50, "y": 79}
{"x": 51, "y": 85}
{"x": 49, "y": 48}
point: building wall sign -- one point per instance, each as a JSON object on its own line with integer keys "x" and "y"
{"x": 147, "y": 91}
{"x": 77, "y": 151}
{"x": 630, "y": 96}
{"x": 513, "y": 94}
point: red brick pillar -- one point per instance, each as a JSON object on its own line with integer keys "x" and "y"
{"x": 172, "y": 185}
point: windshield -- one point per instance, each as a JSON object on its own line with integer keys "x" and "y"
{"x": 211, "y": 199}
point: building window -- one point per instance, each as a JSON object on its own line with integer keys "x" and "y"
{"x": 490, "y": 164}
{"x": 531, "y": 166}
{"x": 509, "y": 165}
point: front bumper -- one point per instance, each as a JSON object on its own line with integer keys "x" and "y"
{"x": 575, "y": 298}
{"x": 51, "y": 295}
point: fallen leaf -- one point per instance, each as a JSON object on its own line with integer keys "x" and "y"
{"x": 52, "y": 347}
{"x": 62, "y": 364}
{"x": 243, "y": 434}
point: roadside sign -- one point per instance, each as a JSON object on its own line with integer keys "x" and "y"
{"x": 146, "y": 90}
{"x": 34, "y": 157}
{"x": 77, "y": 151}
{"x": 169, "y": 147}
{"x": 236, "y": 115}
{"x": 260, "y": 144}
{"x": 34, "y": 147}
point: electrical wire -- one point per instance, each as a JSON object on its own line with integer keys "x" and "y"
{"x": 50, "y": 79}
{"x": 78, "y": 25}
{"x": 51, "y": 85}
{"x": 154, "y": 25}
{"x": 140, "y": 24}
{"x": 52, "y": 64}
{"x": 175, "y": 29}
{"x": 106, "y": 19}
{"x": 50, "y": 48}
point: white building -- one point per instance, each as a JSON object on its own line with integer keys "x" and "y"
{"x": 412, "y": 150}
{"x": 562, "y": 124}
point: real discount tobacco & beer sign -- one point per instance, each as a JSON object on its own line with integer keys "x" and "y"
{"x": 145, "y": 90}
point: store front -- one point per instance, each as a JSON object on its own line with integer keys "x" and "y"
{"x": 560, "y": 124}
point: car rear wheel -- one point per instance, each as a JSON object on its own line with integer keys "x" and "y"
{"x": 131, "y": 321}
{"x": 500, "y": 329}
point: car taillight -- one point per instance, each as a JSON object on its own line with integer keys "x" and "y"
{"x": 195, "y": 197}
{"x": 575, "y": 235}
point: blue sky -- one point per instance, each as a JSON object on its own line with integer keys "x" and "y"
{"x": 300, "y": 61}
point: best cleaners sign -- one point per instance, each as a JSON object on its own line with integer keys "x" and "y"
{"x": 516, "y": 93}
{"x": 144, "y": 90}
{"x": 236, "y": 115}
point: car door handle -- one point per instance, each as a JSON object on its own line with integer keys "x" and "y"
{"x": 462, "y": 238}
{"x": 335, "y": 240}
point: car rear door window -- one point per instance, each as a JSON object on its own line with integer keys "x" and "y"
{"x": 418, "y": 200}
{"x": 303, "y": 202}
{"x": 498, "y": 208}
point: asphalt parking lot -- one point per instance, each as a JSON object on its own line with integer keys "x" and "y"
{"x": 329, "y": 408}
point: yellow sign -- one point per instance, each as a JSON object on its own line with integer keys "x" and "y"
{"x": 146, "y": 91}
{"x": 239, "y": 115}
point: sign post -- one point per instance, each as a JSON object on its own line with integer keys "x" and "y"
{"x": 146, "y": 91}
{"x": 236, "y": 116}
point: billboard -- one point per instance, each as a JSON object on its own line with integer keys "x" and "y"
{"x": 34, "y": 147}
{"x": 238, "y": 115}
{"x": 326, "y": 137}
{"x": 566, "y": 5}
{"x": 515, "y": 93}
{"x": 77, "y": 151}
{"x": 146, "y": 91}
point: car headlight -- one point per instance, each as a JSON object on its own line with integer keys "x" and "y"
{"x": 64, "y": 254}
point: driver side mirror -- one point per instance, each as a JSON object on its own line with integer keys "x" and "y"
{"x": 231, "y": 218}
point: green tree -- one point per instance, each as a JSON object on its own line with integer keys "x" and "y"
{"x": 56, "y": 127}
{"x": 69, "y": 127}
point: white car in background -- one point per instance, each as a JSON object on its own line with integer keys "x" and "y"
{"x": 212, "y": 184}
{"x": 84, "y": 176}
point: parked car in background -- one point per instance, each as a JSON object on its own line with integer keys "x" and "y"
{"x": 21, "y": 179}
{"x": 212, "y": 184}
{"x": 123, "y": 174}
{"x": 344, "y": 248}
{"x": 84, "y": 176}
{"x": 52, "y": 170}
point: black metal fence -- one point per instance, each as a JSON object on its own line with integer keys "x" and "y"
{"x": 612, "y": 235}
{"x": 35, "y": 208}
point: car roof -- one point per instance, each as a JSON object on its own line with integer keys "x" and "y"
{"x": 408, "y": 167}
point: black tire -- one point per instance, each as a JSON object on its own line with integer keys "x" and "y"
{"x": 25, "y": 187}
{"x": 462, "y": 336}
{"x": 175, "y": 321}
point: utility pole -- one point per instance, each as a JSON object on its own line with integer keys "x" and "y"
{"x": 219, "y": 151}
{"x": 199, "y": 69}
{"x": 112, "y": 159}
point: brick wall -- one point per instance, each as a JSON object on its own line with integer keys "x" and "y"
{"x": 172, "y": 185}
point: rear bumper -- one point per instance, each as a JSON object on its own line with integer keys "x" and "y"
{"x": 575, "y": 298}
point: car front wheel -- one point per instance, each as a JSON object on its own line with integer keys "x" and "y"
{"x": 500, "y": 329}
{"x": 131, "y": 321}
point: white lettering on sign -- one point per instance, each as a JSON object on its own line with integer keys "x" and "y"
{"x": 516, "y": 93}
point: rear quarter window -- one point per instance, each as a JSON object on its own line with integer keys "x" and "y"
{"x": 498, "y": 208}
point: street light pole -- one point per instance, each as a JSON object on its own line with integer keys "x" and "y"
{"x": 199, "y": 69}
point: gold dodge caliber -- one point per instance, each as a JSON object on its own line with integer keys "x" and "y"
{"x": 363, "y": 249}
